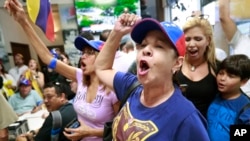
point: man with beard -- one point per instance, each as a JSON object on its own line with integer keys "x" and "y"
{"x": 19, "y": 67}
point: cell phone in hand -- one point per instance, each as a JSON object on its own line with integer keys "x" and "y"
{"x": 73, "y": 124}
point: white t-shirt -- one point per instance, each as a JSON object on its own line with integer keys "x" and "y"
{"x": 122, "y": 61}
{"x": 16, "y": 72}
{"x": 241, "y": 45}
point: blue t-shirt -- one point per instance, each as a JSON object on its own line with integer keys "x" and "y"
{"x": 223, "y": 113}
{"x": 175, "y": 119}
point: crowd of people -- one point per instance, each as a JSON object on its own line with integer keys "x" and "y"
{"x": 183, "y": 86}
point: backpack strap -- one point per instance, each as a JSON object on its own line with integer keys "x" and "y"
{"x": 247, "y": 106}
{"x": 244, "y": 108}
{"x": 128, "y": 92}
{"x": 56, "y": 125}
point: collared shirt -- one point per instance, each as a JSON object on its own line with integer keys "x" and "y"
{"x": 22, "y": 105}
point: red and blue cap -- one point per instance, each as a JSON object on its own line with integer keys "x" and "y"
{"x": 81, "y": 42}
{"x": 25, "y": 82}
{"x": 54, "y": 53}
{"x": 171, "y": 31}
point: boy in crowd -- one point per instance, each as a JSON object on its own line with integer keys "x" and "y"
{"x": 226, "y": 109}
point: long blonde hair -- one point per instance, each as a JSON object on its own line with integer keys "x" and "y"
{"x": 204, "y": 24}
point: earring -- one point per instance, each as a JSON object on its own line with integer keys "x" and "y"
{"x": 173, "y": 71}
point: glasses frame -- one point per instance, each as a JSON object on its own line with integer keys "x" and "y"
{"x": 201, "y": 16}
{"x": 88, "y": 52}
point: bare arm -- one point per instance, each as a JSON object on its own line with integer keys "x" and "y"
{"x": 227, "y": 23}
{"x": 15, "y": 9}
{"x": 40, "y": 79}
{"x": 104, "y": 60}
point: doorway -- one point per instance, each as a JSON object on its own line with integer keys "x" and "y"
{"x": 22, "y": 49}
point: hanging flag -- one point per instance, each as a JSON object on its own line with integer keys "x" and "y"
{"x": 40, "y": 13}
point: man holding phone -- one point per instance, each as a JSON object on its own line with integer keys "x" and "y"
{"x": 56, "y": 96}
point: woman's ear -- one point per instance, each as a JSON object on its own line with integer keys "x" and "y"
{"x": 178, "y": 64}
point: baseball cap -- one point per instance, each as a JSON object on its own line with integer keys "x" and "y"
{"x": 171, "y": 31}
{"x": 25, "y": 82}
{"x": 54, "y": 53}
{"x": 81, "y": 42}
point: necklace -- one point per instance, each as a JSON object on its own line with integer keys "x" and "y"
{"x": 193, "y": 68}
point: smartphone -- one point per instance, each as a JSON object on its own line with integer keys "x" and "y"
{"x": 73, "y": 124}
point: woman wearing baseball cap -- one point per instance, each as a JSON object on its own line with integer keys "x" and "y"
{"x": 94, "y": 103}
{"x": 156, "y": 110}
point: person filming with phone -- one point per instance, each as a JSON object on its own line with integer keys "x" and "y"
{"x": 56, "y": 96}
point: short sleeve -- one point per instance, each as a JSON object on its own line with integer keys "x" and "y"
{"x": 235, "y": 38}
{"x": 122, "y": 82}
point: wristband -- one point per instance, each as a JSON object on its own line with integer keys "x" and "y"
{"x": 52, "y": 64}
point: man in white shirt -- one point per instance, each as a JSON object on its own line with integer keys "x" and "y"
{"x": 240, "y": 43}
{"x": 19, "y": 67}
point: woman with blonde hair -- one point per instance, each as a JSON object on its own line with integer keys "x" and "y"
{"x": 34, "y": 74}
{"x": 197, "y": 74}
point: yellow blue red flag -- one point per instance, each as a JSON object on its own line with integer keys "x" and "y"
{"x": 40, "y": 13}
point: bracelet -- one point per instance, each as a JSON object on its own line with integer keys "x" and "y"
{"x": 52, "y": 64}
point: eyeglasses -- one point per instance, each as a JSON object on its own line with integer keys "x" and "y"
{"x": 48, "y": 97}
{"x": 88, "y": 52}
{"x": 201, "y": 16}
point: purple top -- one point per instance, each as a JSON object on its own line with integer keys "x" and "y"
{"x": 96, "y": 113}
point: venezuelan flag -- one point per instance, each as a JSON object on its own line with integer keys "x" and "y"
{"x": 40, "y": 13}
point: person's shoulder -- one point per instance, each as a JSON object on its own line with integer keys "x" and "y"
{"x": 66, "y": 106}
{"x": 33, "y": 92}
{"x": 13, "y": 98}
{"x": 25, "y": 66}
{"x": 67, "y": 110}
{"x": 179, "y": 101}
{"x": 12, "y": 69}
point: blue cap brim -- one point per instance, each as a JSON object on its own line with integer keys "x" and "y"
{"x": 81, "y": 42}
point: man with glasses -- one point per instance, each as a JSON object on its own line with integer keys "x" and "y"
{"x": 239, "y": 42}
{"x": 56, "y": 96}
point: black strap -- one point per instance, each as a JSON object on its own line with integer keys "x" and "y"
{"x": 128, "y": 92}
{"x": 244, "y": 108}
{"x": 56, "y": 125}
